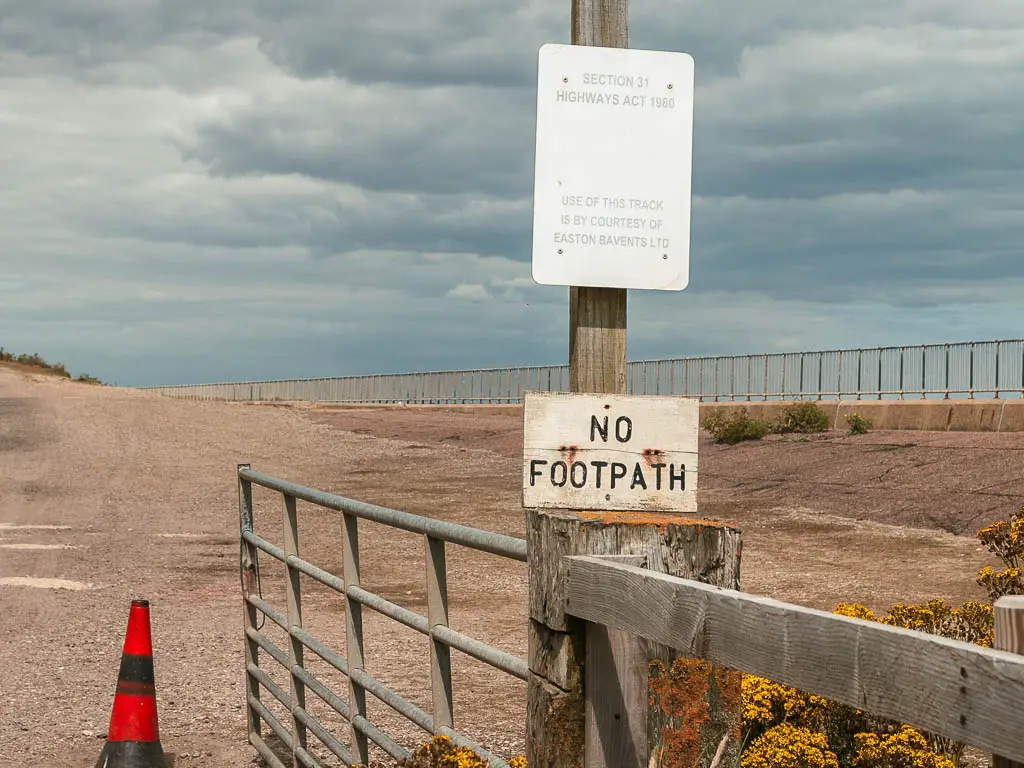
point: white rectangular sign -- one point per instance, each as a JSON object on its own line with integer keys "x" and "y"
{"x": 609, "y": 452}
{"x": 612, "y": 170}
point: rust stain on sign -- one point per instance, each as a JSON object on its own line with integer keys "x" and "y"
{"x": 569, "y": 451}
{"x": 651, "y": 455}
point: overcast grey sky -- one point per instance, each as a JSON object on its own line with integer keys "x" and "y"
{"x": 195, "y": 190}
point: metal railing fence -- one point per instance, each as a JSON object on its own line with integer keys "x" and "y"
{"x": 962, "y": 369}
{"x": 353, "y": 707}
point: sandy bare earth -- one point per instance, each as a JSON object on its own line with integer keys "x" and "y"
{"x": 110, "y": 494}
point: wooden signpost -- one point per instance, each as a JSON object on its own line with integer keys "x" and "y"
{"x": 612, "y": 212}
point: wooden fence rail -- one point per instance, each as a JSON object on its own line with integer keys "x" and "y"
{"x": 959, "y": 690}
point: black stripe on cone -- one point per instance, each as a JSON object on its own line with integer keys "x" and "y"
{"x": 132, "y": 754}
{"x": 133, "y": 739}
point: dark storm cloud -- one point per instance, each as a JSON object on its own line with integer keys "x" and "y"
{"x": 450, "y": 140}
{"x": 855, "y": 246}
{"x": 453, "y": 42}
{"x": 446, "y": 42}
{"x": 91, "y": 33}
{"x": 436, "y": 225}
{"x": 325, "y": 225}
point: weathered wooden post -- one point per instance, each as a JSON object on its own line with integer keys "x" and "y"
{"x": 611, "y": 212}
{"x": 1009, "y": 636}
{"x": 601, "y": 697}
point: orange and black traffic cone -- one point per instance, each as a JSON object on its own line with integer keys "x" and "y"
{"x": 133, "y": 739}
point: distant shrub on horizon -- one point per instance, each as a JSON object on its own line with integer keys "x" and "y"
{"x": 35, "y": 360}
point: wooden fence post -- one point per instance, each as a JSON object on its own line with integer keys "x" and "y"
{"x": 602, "y": 698}
{"x": 1009, "y": 636}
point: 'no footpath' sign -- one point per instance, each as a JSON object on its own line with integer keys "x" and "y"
{"x": 609, "y": 452}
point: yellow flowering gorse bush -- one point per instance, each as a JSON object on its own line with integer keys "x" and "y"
{"x": 766, "y": 703}
{"x": 1005, "y": 540}
{"x": 789, "y": 746}
{"x": 441, "y": 752}
{"x": 906, "y": 748}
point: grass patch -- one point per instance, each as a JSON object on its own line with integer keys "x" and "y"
{"x": 891, "y": 447}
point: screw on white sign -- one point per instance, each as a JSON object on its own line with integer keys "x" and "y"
{"x": 613, "y": 167}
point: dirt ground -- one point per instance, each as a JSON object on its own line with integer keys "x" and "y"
{"x": 121, "y": 494}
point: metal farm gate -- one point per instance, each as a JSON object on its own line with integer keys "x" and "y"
{"x": 351, "y": 704}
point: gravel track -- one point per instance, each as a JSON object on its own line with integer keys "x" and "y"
{"x": 121, "y": 494}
